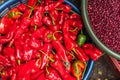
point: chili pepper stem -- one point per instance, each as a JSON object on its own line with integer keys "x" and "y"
{"x": 74, "y": 50}
{"x": 35, "y": 27}
{"x": 11, "y": 42}
{"x": 47, "y": 69}
{"x": 84, "y": 70}
{"x": 55, "y": 33}
{"x": 73, "y": 11}
{"x": 18, "y": 61}
{"x": 47, "y": 56}
{"x": 78, "y": 78}
{"x": 71, "y": 53}
{"x": 74, "y": 29}
{"x": 2, "y": 73}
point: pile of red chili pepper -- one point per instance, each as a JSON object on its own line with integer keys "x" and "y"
{"x": 41, "y": 40}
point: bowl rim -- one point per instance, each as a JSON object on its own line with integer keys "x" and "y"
{"x": 90, "y": 63}
{"x": 87, "y": 24}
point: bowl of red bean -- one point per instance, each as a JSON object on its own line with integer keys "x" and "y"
{"x": 102, "y": 22}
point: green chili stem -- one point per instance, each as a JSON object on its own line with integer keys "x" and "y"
{"x": 47, "y": 56}
{"x": 55, "y": 33}
{"x": 18, "y": 61}
{"x": 74, "y": 29}
{"x": 35, "y": 27}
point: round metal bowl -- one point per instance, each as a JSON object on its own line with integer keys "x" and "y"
{"x": 8, "y": 4}
{"x": 91, "y": 33}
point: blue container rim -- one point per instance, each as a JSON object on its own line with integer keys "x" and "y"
{"x": 90, "y": 63}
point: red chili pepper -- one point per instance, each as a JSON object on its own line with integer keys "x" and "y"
{"x": 38, "y": 34}
{"x": 5, "y": 24}
{"x": 42, "y": 77}
{"x": 92, "y": 51}
{"x": 69, "y": 43}
{"x": 1, "y": 47}
{"x": 57, "y": 35}
{"x": 54, "y": 14}
{"x": 35, "y": 75}
{"x": 22, "y": 7}
{"x": 58, "y": 65}
{"x": 47, "y": 21}
{"x": 46, "y": 51}
{"x": 65, "y": 7}
{"x": 10, "y": 54}
{"x": 52, "y": 74}
{"x": 4, "y": 75}
{"x": 48, "y": 35}
{"x": 47, "y": 2}
{"x": 19, "y": 52}
{"x": 61, "y": 51}
{"x": 27, "y": 52}
{"x": 23, "y": 26}
{"x": 37, "y": 18}
{"x": 55, "y": 27}
{"x": 73, "y": 36}
{"x": 73, "y": 23}
{"x": 4, "y": 61}
{"x": 53, "y": 5}
{"x": 35, "y": 43}
{"x": 6, "y": 38}
{"x": 26, "y": 69}
{"x": 61, "y": 18}
{"x": 80, "y": 54}
{"x": 13, "y": 72}
{"x": 32, "y": 2}
{"x": 27, "y": 13}
{"x": 75, "y": 16}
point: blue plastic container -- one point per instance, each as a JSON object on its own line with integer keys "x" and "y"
{"x": 8, "y": 4}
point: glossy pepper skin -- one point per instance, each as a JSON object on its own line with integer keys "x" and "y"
{"x": 19, "y": 51}
{"x": 80, "y": 54}
{"x": 58, "y": 65}
{"x": 36, "y": 74}
{"x": 27, "y": 52}
{"x": 4, "y": 61}
{"x": 92, "y": 51}
{"x": 64, "y": 7}
{"x": 26, "y": 69}
{"x": 53, "y": 5}
{"x": 10, "y": 54}
{"x": 53, "y": 74}
{"x": 7, "y": 37}
{"x": 47, "y": 21}
{"x": 23, "y": 26}
{"x": 22, "y": 7}
{"x": 32, "y": 2}
{"x": 5, "y": 22}
{"x": 75, "y": 16}
{"x": 35, "y": 43}
{"x": 46, "y": 50}
{"x": 37, "y": 18}
{"x": 48, "y": 36}
{"x": 60, "y": 49}
{"x": 54, "y": 14}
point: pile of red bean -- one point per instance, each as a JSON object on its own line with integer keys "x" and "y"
{"x": 105, "y": 20}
